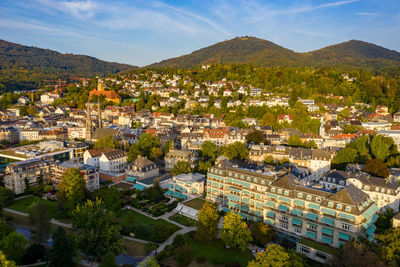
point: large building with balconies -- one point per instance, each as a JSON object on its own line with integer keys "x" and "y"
{"x": 313, "y": 218}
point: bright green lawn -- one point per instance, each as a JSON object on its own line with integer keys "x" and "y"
{"x": 141, "y": 222}
{"x": 196, "y": 203}
{"x": 186, "y": 221}
{"x": 25, "y": 204}
{"x": 215, "y": 252}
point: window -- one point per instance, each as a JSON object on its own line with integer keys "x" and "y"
{"x": 255, "y": 180}
{"x": 341, "y": 182}
{"x": 230, "y": 174}
{"x": 318, "y": 199}
{"x": 339, "y": 206}
{"x": 348, "y": 208}
{"x": 321, "y": 255}
{"x": 330, "y": 204}
{"x": 366, "y": 187}
{"x": 346, "y": 226}
{"x": 389, "y": 191}
{"x": 262, "y": 182}
{"x": 279, "y": 191}
{"x": 286, "y": 193}
{"x": 273, "y": 189}
{"x": 284, "y": 218}
{"x": 299, "y": 195}
{"x": 297, "y": 230}
{"x": 383, "y": 190}
{"x": 284, "y": 225}
{"x": 377, "y": 189}
{"x": 308, "y": 197}
{"x": 312, "y": 227}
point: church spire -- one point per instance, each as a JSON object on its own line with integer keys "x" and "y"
{"x": 89, "y": 125}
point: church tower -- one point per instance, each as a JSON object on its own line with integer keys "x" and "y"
{"x": 100, "y": 86}
{"x": 89, "y": 125}
{"x": 100, "y": 121}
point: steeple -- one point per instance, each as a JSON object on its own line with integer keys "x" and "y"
{"x": 100, "y": 121}
{"x": 89, "y": 125}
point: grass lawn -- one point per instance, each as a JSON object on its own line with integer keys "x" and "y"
{"x": 133, "y": 248}
{"x": 186, "y": 221}
{"x": 143, "y": 226}
{"x": 196, "y": 203}
{"x": 215, "y": 252}
{"x": 25, "y": 204}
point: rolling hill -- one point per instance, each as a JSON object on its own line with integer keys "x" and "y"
{"x": 265, "y": 53}
{"x": 16, "y": 56}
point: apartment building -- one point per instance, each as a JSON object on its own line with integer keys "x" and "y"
{"x": 186, "y": 184}
{"x": 175, "y": 155}
{"x": 19, "y": 174}
{"x": 311, "y": 217}
{"x": 317, "y": 160}
{"x": 106, "y": 159}
{"x": 9, "y": 134}
{"x": 90, "y": 173}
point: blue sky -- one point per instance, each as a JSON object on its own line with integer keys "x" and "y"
{"x": 141, "y": 32}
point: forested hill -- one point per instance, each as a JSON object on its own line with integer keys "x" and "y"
{"x": 265, "y": 53}
{"x": 18, "y": 56}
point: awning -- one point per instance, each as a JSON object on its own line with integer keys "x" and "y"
{"x": 371, "y": 230}
{"x": 259, "y": 205}
{"x": 370, "y": 211}
{"x": 327, "y": 231}
{"x": 344, "y": 236}
{"x": 312, "y": 216}
{"x": 367, "y": 224}
{"x": 170, "y": 185}
{"x": 234, "y": 190}
{"x": 130, "y": 179}
{"x": 270, "y": 214}
{"x": 299, "y": 202}
{"x": 328, "y": 211}
{"x": 270, "y": 204}
{"x": 283, "y": 208}
{"x": 245, "y": 208}
{"x": 245, "y": 200}
{"x": 327, "y": 220}
{"x": 313, "y": 206}
{"x": 139, "y": 187}
{"x": 169, "y": 192}
{"x": 271, "y": 195}
{"x": 233, "y": 205}
{"x": 269, "y": 221}
{"x": 346, "y": 216}
{"x": 311, "y": 235}
{"x": 284, "y": 199}
{"x": 296, "y": 212}
{"x": 326, "y": 240}
{"x": 259, "y": 213}
{"x": 244, "y": 216}
{"x": 194, "y": 190}
{"x": 296, "y": 221}
{"x": 233, "y": 198}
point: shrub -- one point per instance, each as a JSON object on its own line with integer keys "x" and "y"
{"x": 33, "y": 253}
{"x": 150, "y": 247}
{"x": 179, "y": 241}
{"x": 183, "y": 255}
{"x": 232, "y": 264}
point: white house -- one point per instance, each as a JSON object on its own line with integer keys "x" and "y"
{"x": 106, "y": 159}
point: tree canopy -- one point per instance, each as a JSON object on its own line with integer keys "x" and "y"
{"x": 235, "y": 232}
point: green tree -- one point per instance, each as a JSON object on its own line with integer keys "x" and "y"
{"x": 237, "y": 150}
{"x": 273, "y": 256}
{"x": 181, "y": 167}
{"x": 209, "y": 150}
{"x": 6, "y": 196}
{"x": 183, "y": 255}
{"x": 294, "y": 140}
{"x": 355, "y": 253}
{"x": 262, "y": 233}
{"x": 150, "y": 262}
{"x": 4, "y": 262}
{"x": 73, "y": 186}
{"x": 207, "y": 225}
{"x": 351, "y": 129}
{"x": 377, "y": 167}
{"x": 108, "y": 260}
{"x": 14, "y": 245}
{"x": 99, "y": 233}
{"x": 380, "y": 147}
{"x": 343, "y": 157}
{"x": 5, "y": 229}
{"x": 235, "y": 232}
{"x": 110, "y": 196}
{"x": 269, "y": 160}
{"x": 106, "y": 142}
{"x": 145, "y": 144}
{"x": 268, "y": 119}
{"x": 63, "y": 251}
{"x": 384, "y": 221}
{"x": 133, "y": 153}
{"x": 40, "y": 218}
{"x": 256, "y": 137}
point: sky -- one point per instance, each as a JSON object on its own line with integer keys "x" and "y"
{"x": 141, "y": 32}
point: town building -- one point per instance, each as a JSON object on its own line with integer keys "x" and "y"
{"x": 106, "y": 159}
{"x": 175, "y": 155}
{"x": 9, "y": 134}
{"x": 311, "y": 217}
{"x": 30, "y": 172}
{"x": 109, "y": 95}
{"x": 186, "y": 185}
{"x": 90, "y": 173}
{"x": 143, "y": 168}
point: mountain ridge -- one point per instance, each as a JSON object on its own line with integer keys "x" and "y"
{"x": 261, "y": 52}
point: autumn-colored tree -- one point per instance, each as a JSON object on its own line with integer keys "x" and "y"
{"x": 235, "y": 232}
{"x": 207, "y": 226}
{"x": 273, "y": 256}
{"x": 377, "y": 167}
{"x": 4, "y": 262}
{"x": 262, "y": 233}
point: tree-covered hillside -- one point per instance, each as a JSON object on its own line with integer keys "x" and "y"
{"x": 265, "y": 53}
{"x": 23, "y": 67}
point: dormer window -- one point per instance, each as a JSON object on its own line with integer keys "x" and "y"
{"x": 348, "y": 208}
{"x": 330, "y": 204}
{"x": 308, "y": 197}
{"x": 299, "y": 195}
{"x": 339, "y": 206}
